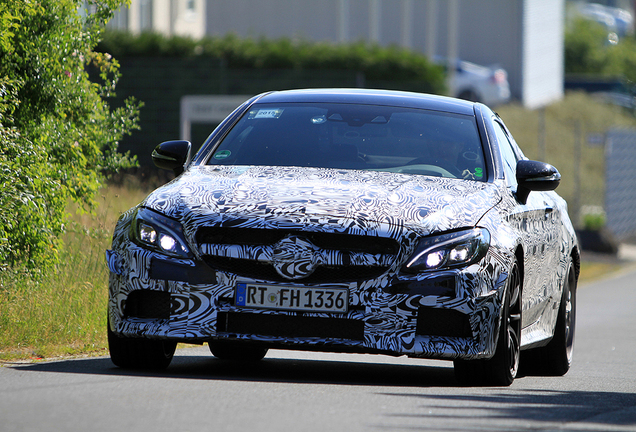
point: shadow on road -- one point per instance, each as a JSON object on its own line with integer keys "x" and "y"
{"x": 534, "y": 405}
{"x": 269, "y": 370}
{"x": 591, "y": 410}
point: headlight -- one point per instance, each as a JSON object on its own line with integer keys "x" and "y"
{"x": 449, "y": 250}
{"x": 160, "y": 233}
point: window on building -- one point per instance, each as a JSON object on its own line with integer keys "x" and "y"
{"x": 145, "y": 15}
{"x": 119, "y": 21}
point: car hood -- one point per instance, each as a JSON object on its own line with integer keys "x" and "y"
{"x": 357, "y": 200}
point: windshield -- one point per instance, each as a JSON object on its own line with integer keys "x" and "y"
{"x": 361, "y": 137}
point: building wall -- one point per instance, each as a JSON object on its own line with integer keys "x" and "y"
{"x": 523, "y": 36}
{"x": 542, "y": 52}
{"x": 311, "y": 20}
{"x": 490, "y": 33}
{"x": 324, "y": 20}
{"x": 170, "y": 17}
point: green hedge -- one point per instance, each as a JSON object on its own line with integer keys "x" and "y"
{"x": 588, "y": 52}
{"x": 373, "y": 61}
{"x": 59, "y": 137}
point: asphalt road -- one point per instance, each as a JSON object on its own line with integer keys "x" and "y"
{"x": 329, "y": 392}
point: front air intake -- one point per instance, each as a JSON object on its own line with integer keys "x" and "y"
{"x": 147, "y": 304}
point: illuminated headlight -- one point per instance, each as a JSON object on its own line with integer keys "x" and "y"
{"x": 455, "y": 249}
{"x": 160, "y": 233}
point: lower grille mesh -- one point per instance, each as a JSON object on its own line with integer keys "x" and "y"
{"x": 290, "y": 326}
{"x": 442, "y": 322}
{"x": 147, "y": 304}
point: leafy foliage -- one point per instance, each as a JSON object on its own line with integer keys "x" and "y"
{"x": 376, "y": 62}
{"x": 587, "y": 51}
{"x": 58, "y": 135}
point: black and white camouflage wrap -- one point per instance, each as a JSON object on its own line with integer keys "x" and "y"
{"x": 398, "y": 206}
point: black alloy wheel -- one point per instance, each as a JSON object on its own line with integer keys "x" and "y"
{"x": 138, "y": 353}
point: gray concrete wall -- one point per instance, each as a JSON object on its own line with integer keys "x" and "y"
{"x": 523, "y": 36}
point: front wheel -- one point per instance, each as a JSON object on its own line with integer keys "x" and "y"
{"x": 137, "y": 353}
{"x": 502, "y": 368}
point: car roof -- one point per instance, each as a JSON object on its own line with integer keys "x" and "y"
{"x": 372, "y": 97}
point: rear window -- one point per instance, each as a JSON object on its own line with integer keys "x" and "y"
{"x": 360, "y": 137}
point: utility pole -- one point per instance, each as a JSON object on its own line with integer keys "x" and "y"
{"x": 375, "y": 20}
{"x": 541, "y": 133}
{"x": 343, "y": 20}
{"x": 453, "y": 40}
{"x": 407, "y": 23}
{"x": 431, "y": 28}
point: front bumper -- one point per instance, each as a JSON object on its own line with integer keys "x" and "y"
{"x": 151, "y": 296}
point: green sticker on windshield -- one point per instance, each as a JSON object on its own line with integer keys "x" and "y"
{"x": 222, "y": 154}
{"x": 479, "y": 173}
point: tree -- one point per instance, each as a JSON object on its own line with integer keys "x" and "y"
{"x": 588, "y": 52}
{"x": 58, "y": 135}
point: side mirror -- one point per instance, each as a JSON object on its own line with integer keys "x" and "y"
{"x": 172, "y": 155}
{"x": 535, "y": 176}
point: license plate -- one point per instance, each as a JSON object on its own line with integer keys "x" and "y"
{"x": 292, "y": 298}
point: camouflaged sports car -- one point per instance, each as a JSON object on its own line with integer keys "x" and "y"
{"x": 354, "y": 221}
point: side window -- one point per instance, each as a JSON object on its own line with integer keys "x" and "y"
{"x": 508, "y": 156}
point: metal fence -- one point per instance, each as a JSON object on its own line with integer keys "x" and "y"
{"x": 620, "y": 183}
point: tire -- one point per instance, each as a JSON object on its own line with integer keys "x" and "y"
{"x": 137, "y": 353}
{"x": 557, "y": 355}
{"x": 502, "y": 368}
{"x": 226, "y": 350}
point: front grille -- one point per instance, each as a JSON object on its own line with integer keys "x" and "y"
{"x": 344, "y": 243}
{"x": 263, "y": 271}
{"x": 324, "y": 240}
{"x": 289, "y": 326}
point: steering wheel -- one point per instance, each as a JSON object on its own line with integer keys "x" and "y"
{"x": 426, "y": 169}
{"x": 445, "y": 168}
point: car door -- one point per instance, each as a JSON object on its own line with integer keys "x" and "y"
{"x": 536, "y": 220}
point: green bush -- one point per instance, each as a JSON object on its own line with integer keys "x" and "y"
{"x": 593, "y": 217}
{"x": 587, "y": 51}
{"x": 58, "y": 136}
{"x": 375, "y": 62}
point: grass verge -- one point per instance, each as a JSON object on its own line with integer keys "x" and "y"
{"x": 594, "y": 270}
{"x": 63, "y": 312}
